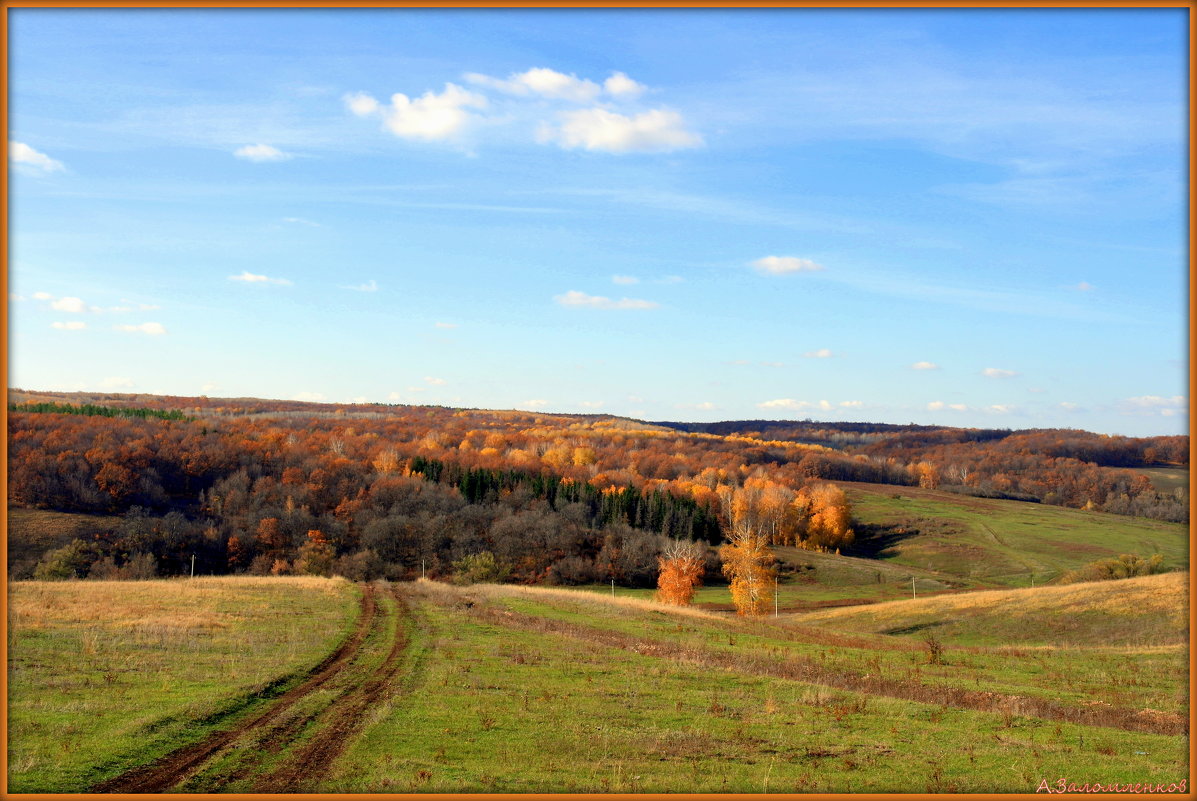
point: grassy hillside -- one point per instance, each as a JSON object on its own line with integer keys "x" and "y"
{"x": 1147, "y": 611}
{"x": 1166, "y": 479}
{"x": 516, "y": 689}
{"x": 998, "y": 542}
{"x": 32, "y": 532}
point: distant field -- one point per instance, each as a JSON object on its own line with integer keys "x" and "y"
{"x": 1166, "y": 479}
{"x": 1004, "y": 543}
{"x": 32, "y": 532}
{"x": 1147, "y": 611}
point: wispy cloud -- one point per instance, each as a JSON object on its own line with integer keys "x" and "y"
{"x": 369, "y": 286}
{"x": 997, "y": 372}
{"x": 581, "y": 299}
{"x": 625, "y": 280}
{"x": 434, "y": 381}
{"x": 246, "y": 277}
{"x": 780, "y": 265}
{"x": 70, "y": 304}
{"x": 33, "y": 161}
{"x": 309, "y": 396}
{"x": 924, "y": 366}
{"x": 797, "y": 405}
{"x": 72, "y": 325}
{"x": 821, "y": 353}
{"x": 302, "y": 221}
{"x": 1149, "y": 405}
{"x": 150, "y": 329}
{"x": 261, "y": 152}
{"x": 1084, "y": 286}
{"x": 654, "y": 131}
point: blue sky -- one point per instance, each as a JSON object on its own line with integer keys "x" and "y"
{"x": 957, "y": 217}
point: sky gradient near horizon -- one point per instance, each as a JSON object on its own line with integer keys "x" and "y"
{"x": 956, "y": 217}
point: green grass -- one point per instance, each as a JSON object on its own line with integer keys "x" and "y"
{"x": 1166, "y": 479}
{"x": 1005, "y": 543}
{"x": 107, "y": 675}
{"x": 492, "y": 708}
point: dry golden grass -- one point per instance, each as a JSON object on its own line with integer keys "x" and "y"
{"x": 1160, "y": 601}
{"x": 588, "y": 598}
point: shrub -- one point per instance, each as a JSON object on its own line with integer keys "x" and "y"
{"x": 1127, "y": 565}
{"x": 480, "y": 567}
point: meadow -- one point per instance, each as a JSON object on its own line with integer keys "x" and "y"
{"x": 501, "y": 688}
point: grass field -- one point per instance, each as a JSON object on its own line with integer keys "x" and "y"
{"x": 513, "y": 689}
{"x": 1004, "y": 543}
{"x": 105, "y": 675}
{"x": 1166, "y": 479}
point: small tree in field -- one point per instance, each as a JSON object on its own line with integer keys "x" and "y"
{"x": 747, "y": 560}
{"x": 681, "y": 572}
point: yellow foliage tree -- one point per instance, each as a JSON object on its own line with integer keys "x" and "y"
{"x": 747, "y": 560}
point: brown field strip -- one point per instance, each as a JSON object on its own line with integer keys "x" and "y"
{"x": 172, "y": 768}
{"x": 805, "y": 670}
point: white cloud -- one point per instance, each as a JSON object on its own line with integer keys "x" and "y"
{"x": 309, "y": 396}
{"x": 25, "y": 156}
{"x": 150, "y": 329}
{"x": 590, "y": 404}
{"x": 542, "y": 81}
{"x": 1084, "y": 286}
{"x": 42, "y": 296}
{"x": 780, "y": 265}
{"x": 995, "y": 372}
{"x": 261, "y": 153}
{"x": 785, "y": 403}
{"x": 1145, "y": 405}
{"x": 359, "y": 399}
{"x": 924, "y": 366}
{"x": 446, "y": 325}
{"x": 73, "y": 305}
{"x": 117, "y": 382}
{"x": 369, "y": 286}
{"x": 209, "y": 387}
{"x": 821, "y": 353}
{"x": 73, "y": 325}
{"x": 247, "y": 277}
{"x": 935, "y": 406}
{"x": 15, "y": 298}
{"x": 575, "y": 298}
{"x": 625, "y": 280}
{"x": 958, "y": 407}
{"x": 302, "y": 221}
{"x": 852, "y": 404}
{"x": 430, "y": 117}
{"x": 535, "y": 403}
{"x": 362, "y": 104}
{"x": 999, "y": 408}
{"x": 436, "y": 382}
{"x": 620, "y": 85}
{"x": 1068, "y": 406}
{"x": 655, "y": 131}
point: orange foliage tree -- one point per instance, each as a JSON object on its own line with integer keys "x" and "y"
{"x": 681, "y": 572}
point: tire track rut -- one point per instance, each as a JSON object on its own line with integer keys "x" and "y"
{"x": 170, "y": 769}
{"x": 346, "y": 718}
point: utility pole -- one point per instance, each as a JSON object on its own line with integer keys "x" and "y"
{"x": 914, "y": 591}
{"x": 421, "y": 568}
{"x": 612, "y": 588}
{"x": 193, "y": 565}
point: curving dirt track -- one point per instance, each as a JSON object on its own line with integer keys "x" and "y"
{"x": 345, "y": 719}
{"x": 170, "y": 769}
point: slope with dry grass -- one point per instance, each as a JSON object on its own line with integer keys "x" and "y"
{"x": 1147, "y": 611}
